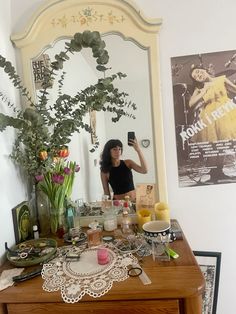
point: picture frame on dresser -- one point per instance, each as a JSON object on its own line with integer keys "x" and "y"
{"x": 209, "y": 263}
{"x": 22, "y": 222}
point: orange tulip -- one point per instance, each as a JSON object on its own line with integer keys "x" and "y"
{"x": 64, "y": 152}
{"x": 43, "y": 155}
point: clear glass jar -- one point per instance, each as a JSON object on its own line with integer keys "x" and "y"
{"x": 110, "y": 220}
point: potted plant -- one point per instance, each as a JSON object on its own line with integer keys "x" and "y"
{"x": 44, "y": 129}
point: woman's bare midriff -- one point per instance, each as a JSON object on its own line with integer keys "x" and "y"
{"x": 131, "y": 194}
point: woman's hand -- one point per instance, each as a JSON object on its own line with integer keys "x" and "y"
{"x": 135, "y": 144}
{"x": 142, "y": 168}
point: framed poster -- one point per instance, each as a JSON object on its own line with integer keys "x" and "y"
{"x": 204, "y": 94}
{"x": 209, "y": 263}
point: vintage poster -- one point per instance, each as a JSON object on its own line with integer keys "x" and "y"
{"x": 39, "y": 67}
{"x": 204, "y": 97}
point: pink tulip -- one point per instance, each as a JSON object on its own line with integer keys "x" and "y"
{"x": 67, "y": 170}
{"x": 39, "y": 177}
{"x": 77, "y": 168}
{"x": 57, "y": 178}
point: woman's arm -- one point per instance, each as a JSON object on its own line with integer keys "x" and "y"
{"x": 142, "y": 168}
{"x": 105, "y": 185}
{"x": 231, "y": 86}
{"x": 196, "y": 97}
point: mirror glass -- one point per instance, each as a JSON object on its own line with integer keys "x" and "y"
{"x": 130, "y": 58}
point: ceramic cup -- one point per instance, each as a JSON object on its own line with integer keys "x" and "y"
{"x": 153, "y": 230}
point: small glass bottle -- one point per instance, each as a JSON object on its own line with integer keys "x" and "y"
{"x": 106, "y": 203}
{"x": 125, "y": 223}
{"x": 36, "y": 232}
{"x": 33, "y": 210}
{"x": 70, "y": 218}
{"x": 127, "y": 204}
{"x": 94, "y": 234}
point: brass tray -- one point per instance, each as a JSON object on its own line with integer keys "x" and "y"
{"x": 32, "y": 252}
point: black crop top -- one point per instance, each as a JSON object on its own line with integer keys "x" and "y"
{"x": 121, "y": 179}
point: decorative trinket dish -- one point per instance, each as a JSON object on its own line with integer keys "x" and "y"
{"x": 32, "y": 252}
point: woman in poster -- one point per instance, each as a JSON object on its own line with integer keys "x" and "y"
{"x": 216, "y": 111}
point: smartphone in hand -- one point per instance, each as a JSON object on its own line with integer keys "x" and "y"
{"x": 131, "y": 136}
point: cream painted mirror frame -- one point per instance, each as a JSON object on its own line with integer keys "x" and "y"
{"x": 63, "y": 18}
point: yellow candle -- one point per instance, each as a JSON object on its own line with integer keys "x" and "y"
{"x": 144, "y": 215}
{"x": 162, "y": 211}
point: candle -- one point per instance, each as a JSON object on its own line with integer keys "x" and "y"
{"x": 102, "y": 256}
{"x": 144, "y": 215}
{"x": 162, "y": 211}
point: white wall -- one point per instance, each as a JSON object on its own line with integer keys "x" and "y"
{"x": 12, "y": 190}
{"x": 207, "y": 214}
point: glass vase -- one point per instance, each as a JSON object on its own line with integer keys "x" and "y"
{"x": 57, "y": 222}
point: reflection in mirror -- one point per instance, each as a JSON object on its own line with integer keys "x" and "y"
{"x": 128, "y": 57}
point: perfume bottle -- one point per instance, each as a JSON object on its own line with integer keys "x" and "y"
{"x": 125, "y": 223}
{"x": 94, "y": 234}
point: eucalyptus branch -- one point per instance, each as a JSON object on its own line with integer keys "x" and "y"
{"x": 45, "y": 126}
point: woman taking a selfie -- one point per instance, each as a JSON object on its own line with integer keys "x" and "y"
{"x": 117, "y": 172}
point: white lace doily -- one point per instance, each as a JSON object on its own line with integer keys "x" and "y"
{"x": 84, "y": 276}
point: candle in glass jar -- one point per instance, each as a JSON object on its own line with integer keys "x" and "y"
{"x": 144, "y": 215}
{"x": 102, "y": 256}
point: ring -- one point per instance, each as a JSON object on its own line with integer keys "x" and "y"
{"x": 135, "y": 271}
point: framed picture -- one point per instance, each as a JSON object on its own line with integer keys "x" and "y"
{"x": 21, "y": 222}
{"x": 209, "y": 263}
{"x": 145, "y": 195}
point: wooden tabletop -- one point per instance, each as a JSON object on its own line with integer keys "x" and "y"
{"x": 178, "y": 278}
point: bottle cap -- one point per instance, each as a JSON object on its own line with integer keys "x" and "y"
{"x": 94, "y": 225}
{"x": 35, "y": 228}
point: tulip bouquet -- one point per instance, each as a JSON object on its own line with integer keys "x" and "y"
{"x": 57, "y": 184}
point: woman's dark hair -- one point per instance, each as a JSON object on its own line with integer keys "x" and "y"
{"x": 195, "y": 82}
{"x": 105, "y": 162}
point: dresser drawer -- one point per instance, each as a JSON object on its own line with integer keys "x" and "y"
{"x": 103, "y": 307}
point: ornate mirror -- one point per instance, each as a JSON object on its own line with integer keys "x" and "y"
{"x": 132, "y": 44}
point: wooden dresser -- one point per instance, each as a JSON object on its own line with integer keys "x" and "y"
{"x": 176, "y": 289}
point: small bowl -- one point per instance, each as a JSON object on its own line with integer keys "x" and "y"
{"x": 158, "y": 229}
